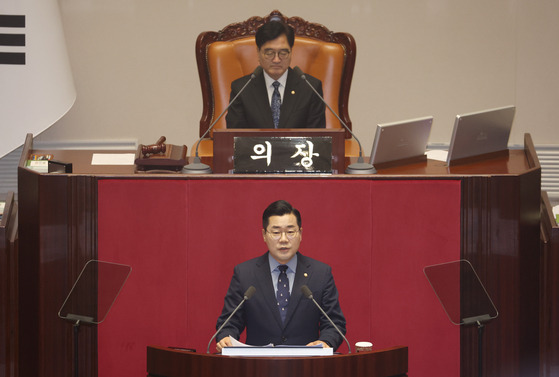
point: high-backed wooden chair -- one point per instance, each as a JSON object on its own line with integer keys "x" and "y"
{"x": 225, "y": 55}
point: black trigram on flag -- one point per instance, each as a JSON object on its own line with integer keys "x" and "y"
{"x": 9, "y": 39}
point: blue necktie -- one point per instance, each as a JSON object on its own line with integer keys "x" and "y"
{"x": 283, "y": 291}
{"x": 276, "y": 104}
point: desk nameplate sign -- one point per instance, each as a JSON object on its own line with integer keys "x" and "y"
{"x": 286, "y": 154}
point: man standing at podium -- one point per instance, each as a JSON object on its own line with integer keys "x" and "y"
{"x": 278, "y": 313}
{"x": 277, "y": 97}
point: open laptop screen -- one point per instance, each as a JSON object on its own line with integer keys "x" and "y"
{"x": 400, "y": 141}
{"x": 480, "y": 133}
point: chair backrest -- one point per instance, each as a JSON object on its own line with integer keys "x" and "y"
{"x": 230, "y": 53}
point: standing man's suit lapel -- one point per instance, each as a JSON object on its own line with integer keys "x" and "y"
{"x": 267, "y": 287}
{"x": 302, "y": 277}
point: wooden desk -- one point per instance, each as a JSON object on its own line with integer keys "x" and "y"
{"x": 183, "y": 235}
{"x": 166, "y": 362}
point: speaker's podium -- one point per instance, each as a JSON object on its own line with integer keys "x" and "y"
{"x": 486, "y": 212}
{"x": 168, "y": 362}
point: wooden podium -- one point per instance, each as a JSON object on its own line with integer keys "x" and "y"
{"x": 167, "y": 362}
{"x": 178, "y": 231}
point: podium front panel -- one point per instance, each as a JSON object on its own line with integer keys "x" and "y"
{"x": 183, "y": 238}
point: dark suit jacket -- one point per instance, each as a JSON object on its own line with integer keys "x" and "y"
{"x": 260, "y": 315}
{"x": 300, "y": 108}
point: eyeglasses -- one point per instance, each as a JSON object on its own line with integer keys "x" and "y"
{"x": 276, "y": 234}
{"x": 271, "y": 54}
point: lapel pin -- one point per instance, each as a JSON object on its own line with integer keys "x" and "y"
{"x": 305, "y": 274}
{"x": 292, "y": 92}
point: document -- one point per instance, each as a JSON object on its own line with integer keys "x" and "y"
{"x": 241, "y": 349}
{"x": 236, "y": 343}
{"x": 438, "y": 155}
{"x": 113, "y": 159}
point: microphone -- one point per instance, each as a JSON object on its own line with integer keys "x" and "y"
{"x": 198, "y": 167}
{"x": 308, "y": 294}
{"x": 248, "y": 294}
{"x": 358, "y": 167}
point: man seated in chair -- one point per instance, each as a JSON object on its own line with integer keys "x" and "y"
{"x": 277, "y": 97}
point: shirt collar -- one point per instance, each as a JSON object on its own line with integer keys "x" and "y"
{"x": 282, "y": 80}
{"x": 291, "y": 265}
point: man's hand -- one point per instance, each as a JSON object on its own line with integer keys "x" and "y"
{"x": 324, "y": 345}
{"x": 225, "y": 342}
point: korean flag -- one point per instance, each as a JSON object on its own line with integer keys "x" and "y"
{"x": 36, "y": 84}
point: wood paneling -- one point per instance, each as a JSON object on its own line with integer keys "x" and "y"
{"x": 8, "y": 287}
{"x": 165, "y": 362}
{"x": 500, "y": 223}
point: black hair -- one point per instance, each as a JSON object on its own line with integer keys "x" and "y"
{"x": 279, "y": 208}
{"x": 273, "y": 29}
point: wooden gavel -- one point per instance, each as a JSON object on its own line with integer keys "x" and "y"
{"x": 158, "y": 147}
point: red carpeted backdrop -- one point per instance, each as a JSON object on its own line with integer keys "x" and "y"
{"x": 183, "y": 238}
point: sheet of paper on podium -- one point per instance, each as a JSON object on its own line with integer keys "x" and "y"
{"x": 113, "y": 159}
{"x": 241, "y": 349}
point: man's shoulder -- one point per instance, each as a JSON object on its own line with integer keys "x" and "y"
{"x": 298, "y": 81}
{"x": 293, "y": 73}
{"x": 243, "y": 80}
{"x": 312, "y": 79}
{"x": 256, "y": 261}
{"x": 308, "y": 261}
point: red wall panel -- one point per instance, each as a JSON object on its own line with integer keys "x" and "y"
{"x": 183, "y": 238}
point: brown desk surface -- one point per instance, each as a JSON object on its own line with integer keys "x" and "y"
{"x": 513, "y": 163}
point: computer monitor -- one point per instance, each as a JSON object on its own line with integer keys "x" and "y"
{"x": 401, "y": 142}
{"x": 480, "y": 133}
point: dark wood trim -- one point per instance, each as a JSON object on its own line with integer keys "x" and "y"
{"x": 58, "y": 219}
{"x": 26, "y": 151}
{"x": 530, "y": 150}
{"x": 8, "y": 287}
{"x": 166, "y": 362}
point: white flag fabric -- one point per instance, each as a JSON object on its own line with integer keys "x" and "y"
{"x": 36, "y": 84}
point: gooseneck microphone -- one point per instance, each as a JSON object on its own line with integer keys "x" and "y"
{"x": 248, "y": 294}
{"x": 197, "y": 167}
{"x": 358, "y": 167}
{"x": 308, "y": 294}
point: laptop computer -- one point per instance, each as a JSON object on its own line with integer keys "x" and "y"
{"x": 480, "y": 133}
{"x": 404, "y": 141}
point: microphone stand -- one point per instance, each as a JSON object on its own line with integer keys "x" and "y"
{"x": 480, "y": 328}
{"x": 359, "y": 167}
{"x": 308, "y": 294}
{"x": 248, "y": 294}
{"x": 197, "y": 167}
{"x": 76, "y": 327}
